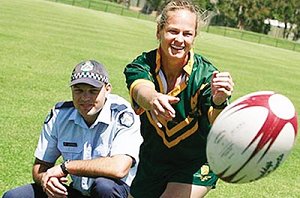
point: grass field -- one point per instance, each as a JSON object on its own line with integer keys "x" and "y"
{"x": 121, "y": 9}
{"x": 41, "y": 41}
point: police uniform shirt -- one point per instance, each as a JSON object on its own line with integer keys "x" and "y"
{"x": 115, "y": 131}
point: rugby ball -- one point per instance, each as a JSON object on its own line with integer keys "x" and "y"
{"x": 252, "y": 137}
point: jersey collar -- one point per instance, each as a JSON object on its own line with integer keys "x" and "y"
{"x": 162, "y": 83}
{"x": 187, "y": 68}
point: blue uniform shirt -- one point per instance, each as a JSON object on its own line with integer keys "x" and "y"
{"x": 65, "y": 133}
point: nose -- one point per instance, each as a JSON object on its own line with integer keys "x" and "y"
{"x": 179, "y": 38}
{"x": 85, "y": 96}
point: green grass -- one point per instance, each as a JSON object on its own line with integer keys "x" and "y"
{"x": 41, "y": 41}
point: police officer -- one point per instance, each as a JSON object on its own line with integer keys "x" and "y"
{"x": 97, "y": 134}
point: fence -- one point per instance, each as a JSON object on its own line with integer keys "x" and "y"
{"x": 123, "y": 9}
{"x": 107, "y": 6}
{"x": 254, "y": 37}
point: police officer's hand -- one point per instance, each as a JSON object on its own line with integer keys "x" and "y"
{"x": 221, "y": 87}
{"x": 52, "y": 183}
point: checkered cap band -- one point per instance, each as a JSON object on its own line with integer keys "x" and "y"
{"x": 91, "y": 75}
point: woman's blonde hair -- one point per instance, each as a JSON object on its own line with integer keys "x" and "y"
{"x": 173, "y": 5}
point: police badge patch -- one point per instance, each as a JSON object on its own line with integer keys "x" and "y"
{"x": 87, "y": 66}
{"x": 126, "y": 119}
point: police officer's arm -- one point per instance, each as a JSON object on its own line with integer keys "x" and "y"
{"x": 116, "y": 166}
{"x": 38, "y": 169}
{"x": 52, "y": 186}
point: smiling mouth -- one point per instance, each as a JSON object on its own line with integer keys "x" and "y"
{"x": 86, "y": 106}
{"x": 177, "y": 47}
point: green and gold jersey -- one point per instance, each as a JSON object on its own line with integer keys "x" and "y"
{"x": 183, "y": 139}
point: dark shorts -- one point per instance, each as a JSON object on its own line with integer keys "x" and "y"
{"x": 151, "y": 181}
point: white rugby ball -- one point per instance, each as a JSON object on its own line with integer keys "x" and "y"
{"x": 252, "y": 137}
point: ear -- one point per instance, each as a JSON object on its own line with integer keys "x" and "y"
{"x": 108, "y": 89}
{"x": 158, "y": 32}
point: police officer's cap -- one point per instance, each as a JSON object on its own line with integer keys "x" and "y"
{"x": 89, "y": 72}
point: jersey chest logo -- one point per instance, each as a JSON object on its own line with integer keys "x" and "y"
{"x": 172, "y": 136}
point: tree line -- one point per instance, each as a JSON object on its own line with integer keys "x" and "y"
{"x": 247, "y": 14}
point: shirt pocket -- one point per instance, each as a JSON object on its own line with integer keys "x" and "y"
{"x": 71, "y": 150}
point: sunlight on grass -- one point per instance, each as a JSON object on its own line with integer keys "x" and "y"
{"x": 43, "y": 40}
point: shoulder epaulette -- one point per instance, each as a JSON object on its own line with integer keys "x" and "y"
{"x": 67, "y": 104}
{"x": 118, "y": 107}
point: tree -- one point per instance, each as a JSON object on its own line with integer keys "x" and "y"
{"x": 245, "y": 14}
{"x": 296, "y": 31}
{"x": 283, "y": 12}
{"x": 152, "y": 5}
{"x": 288, "y": 12}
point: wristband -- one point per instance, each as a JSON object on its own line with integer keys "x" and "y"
{"x": 64, "y": 168}
{"x": 220, "y": 106}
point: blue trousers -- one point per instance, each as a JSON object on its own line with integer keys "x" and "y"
{"x": 102, "y": 187}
